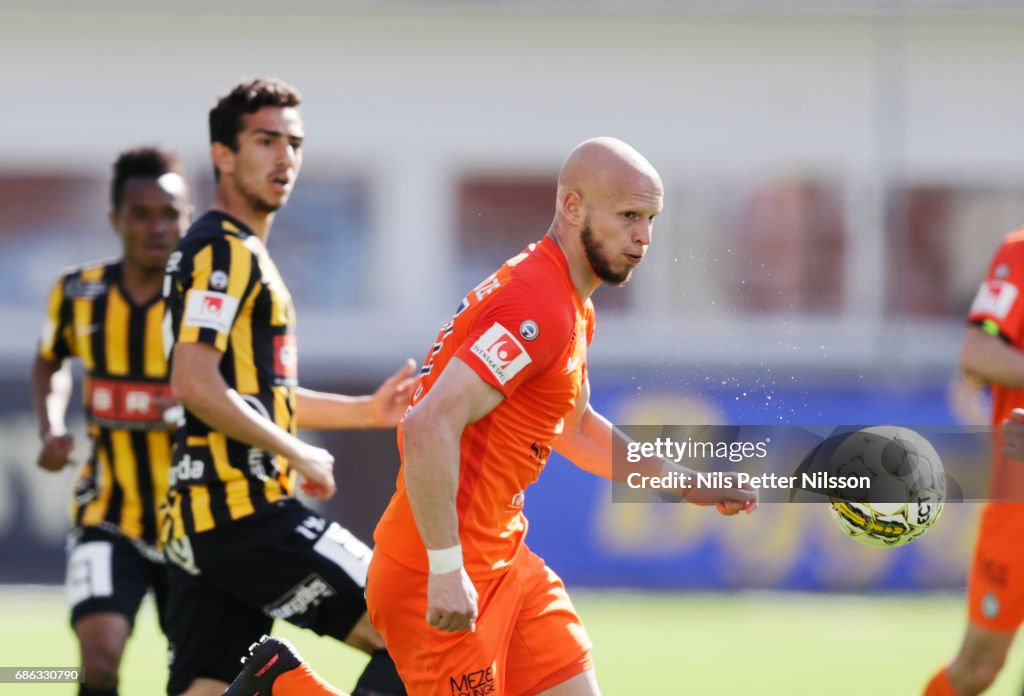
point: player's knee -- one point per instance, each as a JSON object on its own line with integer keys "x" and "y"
{"x": 101, "y": 639}
{"x": 100, "y": 663}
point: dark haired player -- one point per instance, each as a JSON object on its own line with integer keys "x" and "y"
{"x": 109, "y": 314}
{"x": 244, "y": 550}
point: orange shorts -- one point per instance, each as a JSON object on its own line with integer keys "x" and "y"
{"x": 995, "y": 585}
{"x": 528, "y": 637}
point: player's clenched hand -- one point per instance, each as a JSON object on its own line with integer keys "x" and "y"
{"x": 451, "y": 601}
{"x": 1013, "y": 435}
{"x": 728, "y": 500}
{"x": 316, "y": 466}
{"x": 56, "y": 452}
{"x": 392, "y": 396}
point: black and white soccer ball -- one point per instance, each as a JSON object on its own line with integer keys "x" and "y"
{"x": 907, "y": 491}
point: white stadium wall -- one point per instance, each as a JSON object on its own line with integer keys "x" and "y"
{"x": 413, "y": 98}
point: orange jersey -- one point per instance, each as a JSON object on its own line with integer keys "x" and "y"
{"x": 524, "y": 331}
{"x": 999, "y": 309}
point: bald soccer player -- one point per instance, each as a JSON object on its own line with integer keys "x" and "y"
{"x": 463, "y": 604}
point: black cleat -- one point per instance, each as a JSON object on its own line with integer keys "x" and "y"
{"x": 268, "y": 659}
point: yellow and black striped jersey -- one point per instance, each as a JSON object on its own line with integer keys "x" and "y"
{"x": 91, "y": 317}
{"x": 222, "y": 289}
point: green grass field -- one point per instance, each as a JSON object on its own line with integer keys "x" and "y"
{"x": 645, "y": 644}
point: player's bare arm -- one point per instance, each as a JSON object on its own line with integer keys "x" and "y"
{"x": 431, "y": 435}
{"x": 51, "y": 394}
{"x": 588, "y": 441}
{"x": 991, "y": 359}
{"x": 382, "y": 409}
{"x": 197, "y": 383}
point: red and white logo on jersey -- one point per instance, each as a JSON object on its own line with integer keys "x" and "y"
{"x": 102, "y": 399}
{"x": 501, "y": 352}
{"x": 995, "y": 298}
{"x": 210, "y": 310}
{"x": 505, "y": 349}
{"x": 286, "y": 357}
{"x": 213, "y": 305}
{"x": 126, "y": 402}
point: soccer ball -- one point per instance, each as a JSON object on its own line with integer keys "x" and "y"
{"x": 907, "y": 485}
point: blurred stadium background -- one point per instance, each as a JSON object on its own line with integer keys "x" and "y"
{"x": 838, "y": 174}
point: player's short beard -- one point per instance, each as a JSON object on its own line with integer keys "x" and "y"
{"x": 254, "y": 200}
{"x": 598, "y": 261}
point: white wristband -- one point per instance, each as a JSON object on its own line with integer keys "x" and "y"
{"x": 445, "y": 560}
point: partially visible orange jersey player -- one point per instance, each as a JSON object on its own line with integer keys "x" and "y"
{"x": 992, "y": 353}
{"x": 462, "y": 602}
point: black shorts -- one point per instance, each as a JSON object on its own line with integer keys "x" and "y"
{"x": 228, "y": 585}
{"x": 107, "y": 572}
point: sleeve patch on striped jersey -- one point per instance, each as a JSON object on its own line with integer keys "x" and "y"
{"x": 210, "y": 310}
{"x": 501, "y": 352}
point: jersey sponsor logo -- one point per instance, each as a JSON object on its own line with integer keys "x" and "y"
{"x": 301, "y": 598}
{"x": 286, "y": 357}
{"x": 85, "y": 289}
{"x": 124, "y": 403}
{"x": 996, "y": 298}
{"x": 501, "y": 352}
{"x": 187, "y": 469}
{"x": 478, "y": 683}
{"x": 210, "y": 310}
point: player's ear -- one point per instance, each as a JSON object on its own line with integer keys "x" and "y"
{"x": 114, "y": 217}
{"x": 223, "y": 158}
{"x": 572, "y": 207}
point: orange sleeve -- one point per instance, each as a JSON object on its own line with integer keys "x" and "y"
{"x": 998, "y": 304}
{"x": 517, "y": 335}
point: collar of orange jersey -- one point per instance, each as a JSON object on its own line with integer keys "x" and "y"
{"x": 553, "y": 250}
